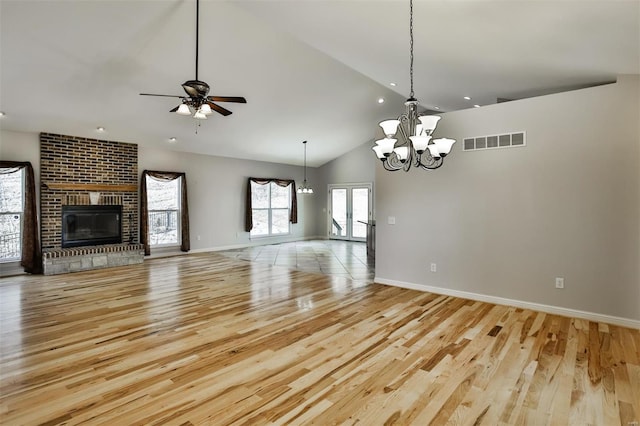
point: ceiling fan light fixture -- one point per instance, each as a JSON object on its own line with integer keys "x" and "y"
{"x": 205, "y": 109}
{"x": 199, "y": 115}
{"x": 183, "y": 109}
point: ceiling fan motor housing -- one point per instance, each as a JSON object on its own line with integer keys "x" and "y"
{"x": 196, "y": 88}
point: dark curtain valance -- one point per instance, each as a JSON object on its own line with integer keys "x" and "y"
{"x": 293, "y": 213}
{"x": 31, "y": 257}
{"x": 144, "y": 208}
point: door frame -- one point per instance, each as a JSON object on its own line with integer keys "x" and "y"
{"x": 349, "y": 187}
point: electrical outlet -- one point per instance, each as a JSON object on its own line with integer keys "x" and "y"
{"x": 198, "y": 237}
{"x": 559, "y": 282}
{"x": 434, "y": 267}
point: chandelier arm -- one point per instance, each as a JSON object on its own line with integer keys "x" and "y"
{"x": 418, "y": 162}
{"x": 404, "y": 122}
{"x": 407, "y": 165}
{"x": 436, "y": 164}
{"x": 392, "y": 164}
{"x": 388, "y": 167}
{"x": 425, "y": 164}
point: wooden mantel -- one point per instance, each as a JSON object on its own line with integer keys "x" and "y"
{"x": 91, "y": 187}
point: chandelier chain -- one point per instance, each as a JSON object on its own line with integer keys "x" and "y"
{"x": 411, "y": 46}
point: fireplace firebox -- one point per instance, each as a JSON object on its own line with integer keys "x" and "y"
{"x": 91, "y": 225}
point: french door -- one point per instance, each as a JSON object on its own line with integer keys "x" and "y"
{"x": 349, "y": 206}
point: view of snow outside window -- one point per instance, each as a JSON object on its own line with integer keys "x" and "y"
{"x": 360, "y": 212}
{"x": 163, "y": 201}
{"x": 11, "y": 208}
{"x": 339, "y": 212}
{"x": 270, "y": 204}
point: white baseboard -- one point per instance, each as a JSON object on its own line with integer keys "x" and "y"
{"x": 556, "y": 310}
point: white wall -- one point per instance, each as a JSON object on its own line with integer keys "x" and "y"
{"x": 356, "y": 166}
{"x": 216, "y": 191}
{"x": 18, "y": 146}
{"x": 506, "y": 222}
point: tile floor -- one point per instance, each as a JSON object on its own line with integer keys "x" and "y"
{"x": 330, "y": 257}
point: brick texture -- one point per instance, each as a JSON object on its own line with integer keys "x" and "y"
{"x": 70, "y": 159}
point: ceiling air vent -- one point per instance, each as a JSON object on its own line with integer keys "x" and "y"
{"x": 507, "y": 140}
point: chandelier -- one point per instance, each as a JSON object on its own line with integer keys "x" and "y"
{"x": 304, "y": 188}
{"x": 416, "y": 147}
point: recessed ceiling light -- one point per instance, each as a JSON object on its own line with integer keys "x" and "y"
{"x": 476, "y": 106}
{"x": 380, "y": 100}
{"x": 172, "y": 139}
{"x": 436, "y": 107}
{"x": 100, "y": 129}
{"x": 468, "y": 98}
{"x": 392, "y": 84}
{"x": 2, "y": 114}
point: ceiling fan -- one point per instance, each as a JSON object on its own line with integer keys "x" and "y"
{"x": 197, "y": 103}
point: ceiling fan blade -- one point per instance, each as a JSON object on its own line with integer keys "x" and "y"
{"x": 237, "y": 99}
{"x": 166, "y": 96}
{"x": 175, "y": 109}
{"x": 219, "y": 109}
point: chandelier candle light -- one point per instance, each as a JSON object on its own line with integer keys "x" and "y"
{"x": 304, "y": 188}
{"x": 415, "y": 148}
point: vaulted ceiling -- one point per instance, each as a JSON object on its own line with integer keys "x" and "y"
{"x": 310, "y": 70}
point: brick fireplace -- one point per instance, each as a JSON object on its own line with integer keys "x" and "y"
{"x": 70, "y": 169}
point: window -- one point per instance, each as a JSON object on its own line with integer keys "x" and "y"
{"x": 11, "y": 215}
{"x": 270, "y": 209}
{"x": 163, "y": 199}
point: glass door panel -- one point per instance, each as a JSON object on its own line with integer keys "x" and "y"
{"x": 360, "y": 212}
{"x": 338, "y": 213}
{"x": 349, "y": 207}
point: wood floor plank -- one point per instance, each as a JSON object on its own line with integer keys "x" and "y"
{"x": 207, "y": 339}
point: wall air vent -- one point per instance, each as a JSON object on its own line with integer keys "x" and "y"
{"x": 507, "y": 140}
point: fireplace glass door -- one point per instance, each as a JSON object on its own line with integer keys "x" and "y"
{"x": 91, "y": 225}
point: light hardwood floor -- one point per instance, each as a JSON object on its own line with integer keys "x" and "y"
{"x": 205, "y": 339}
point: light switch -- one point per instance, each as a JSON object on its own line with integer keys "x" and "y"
{"x": 391, "y": 220}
